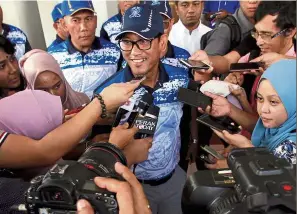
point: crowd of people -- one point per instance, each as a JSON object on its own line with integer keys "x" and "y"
{"x": 55, "y": 103}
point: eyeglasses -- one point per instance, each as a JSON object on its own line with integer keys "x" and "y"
{"x": 267, "y": 36}
{"x": 142, "y": 44}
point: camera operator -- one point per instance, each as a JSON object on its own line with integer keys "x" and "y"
{"x": 130, "y": 195}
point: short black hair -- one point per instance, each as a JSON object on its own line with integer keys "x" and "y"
{"x": 6, "y": 45}
{"x": 285, "y": 11}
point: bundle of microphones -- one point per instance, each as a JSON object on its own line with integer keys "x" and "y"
{"x": 141, "y": 112}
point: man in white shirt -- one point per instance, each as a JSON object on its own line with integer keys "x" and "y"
{"x": 187, "y": 32}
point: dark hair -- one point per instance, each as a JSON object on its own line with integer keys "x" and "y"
{"x": 285, "y": 11}
{"x": 6, "y": 45}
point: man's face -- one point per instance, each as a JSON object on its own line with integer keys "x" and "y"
{"x": 167, "y": 23}
{"x": 249, "y": 8}
{"x": 142, "y": 62}
{"x": 264, "y": 30}
{"x": 125, "y": 5}
{"x": 61, "y": 29}
{"x": 82, "y": 27}
{"x": 9, "y": 71}
{"x": 189, "y": 12}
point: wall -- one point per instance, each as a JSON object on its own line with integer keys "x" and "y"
{"x": 34, "y": 18}
{"x": 25, "y": 15}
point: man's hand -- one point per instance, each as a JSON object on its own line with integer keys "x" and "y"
{"x": 222, "y": 14}
{"x": 220, "y": 106}
{"x": 192, "y": 152}
{"x": 130, "y": 195}
{"x": 220, "y": 164}
{"x": 235, "y": 78}
{"x": 269, "y": 58}
{"x": 137, "y": 151}
{"x": 201, "y": 75}
{"x": 239, "y": 93}
{"x": 121, "y": 136}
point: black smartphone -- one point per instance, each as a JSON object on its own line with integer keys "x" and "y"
{"x": 212, "y": 152}
{"x": 219, "y": 124}
{"x": 205, "y": 159}
{"x": 193, "y": 64}
{"x": 192, "y": 98}
{"x": 241, "y": 67}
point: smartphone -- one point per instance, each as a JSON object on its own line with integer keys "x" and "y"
{"x": 192, "y": 98}
{"x": 76, "y": 110}
{"x": 205, "y": 159}
{"x": 193, "y": 64}
{"x": 237, "y": 67}
{"x": 219, "y": 124}
{"x": 212, "y": 152}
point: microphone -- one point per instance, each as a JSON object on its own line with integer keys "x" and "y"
{"x": 130, "y": 110}
{"x": 147, "y": 124}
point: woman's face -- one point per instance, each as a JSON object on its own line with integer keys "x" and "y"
{"x": 9, "y": 71}
{"x": 269, "y": 106}
{"x": 50, "y": 82}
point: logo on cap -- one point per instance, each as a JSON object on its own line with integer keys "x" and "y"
{"x": 135, "y": 12}
{"x": 155, "y": 2}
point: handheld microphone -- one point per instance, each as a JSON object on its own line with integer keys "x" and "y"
{"x": 147, "y": 124}
{"x": 130, "y": 110}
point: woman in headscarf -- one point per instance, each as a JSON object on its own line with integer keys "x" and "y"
{"x": 11, "y": 80}
{"x": 276, "y": 106}
{"x": 42, "y": 72}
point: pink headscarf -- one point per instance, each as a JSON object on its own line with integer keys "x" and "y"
{"x": 30, "y": 113}
{"x": 37, "y": 61}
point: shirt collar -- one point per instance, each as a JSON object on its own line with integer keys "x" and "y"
{"x": 120, "y": 16}
{"x": 186, "y": 29}
{"x": 163, "y": 77}
{"x": 59, "y": 39}
{"x": 71, "y": 49}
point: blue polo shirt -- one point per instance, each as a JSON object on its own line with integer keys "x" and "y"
{"x": 86, "y": 71}
{"x": 111, "y": 28}
{"x": 215, "y": 6}
{"x": 17, "y": 37}
{"x": 164, "y": 154}
{"x": 57, "y": 41}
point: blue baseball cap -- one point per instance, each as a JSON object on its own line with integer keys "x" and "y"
{"x": 57, "y": 12}
{"x": 70, "y": 7}
{"x": 143, "y": 20}
{"x": 162, "y": 6}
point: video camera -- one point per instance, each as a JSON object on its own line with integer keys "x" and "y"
{"x": 66, "y": 182}
{"x": 257, "y": 182}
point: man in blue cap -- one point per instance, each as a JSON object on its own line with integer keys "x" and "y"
{"x": 86, "y": 60}
{"x": 59, "y": 26}
{"x": 113, "y": 26}
{"x": 16, "y": 36}
{"x": 165, "y": 10}
{"x": 142, "y": 42}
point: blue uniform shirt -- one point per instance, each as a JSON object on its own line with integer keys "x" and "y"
{"x": 17, "y": 37}
{"x": 86, "y": 71}
{"x": 57, "y": 41}
{"x": 164, "y": 154}
{"x": 111, "y": 28}
{"x": 215, "y": 6}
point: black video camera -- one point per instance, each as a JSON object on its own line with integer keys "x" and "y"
{"x": 66, "y": 182}
{"x": 257, "y": 182}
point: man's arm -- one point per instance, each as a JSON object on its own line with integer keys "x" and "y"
{"x": 221, "y": 64}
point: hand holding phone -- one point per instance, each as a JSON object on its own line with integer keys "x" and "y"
{"x": 206, "y": 159}
{"x": 212, "y": 152}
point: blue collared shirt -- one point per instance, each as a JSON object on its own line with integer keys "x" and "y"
{"x": 17, "y": 37}
{"x": 164, "y": 154}
{"x": 215, "y": 6}
{"x": 86, "y": 71}
{"x": 57, "y": 41}
{"x": 111, "y": 28}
